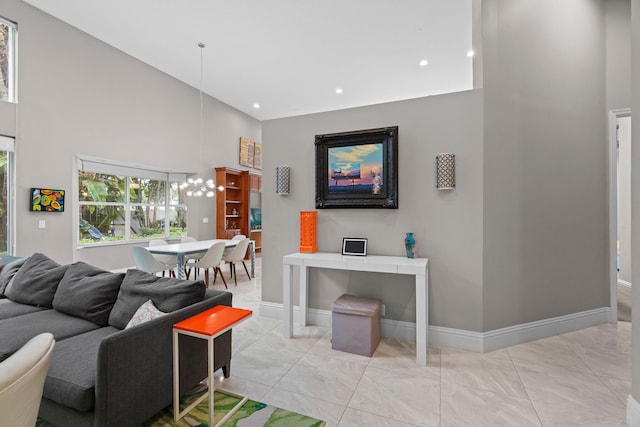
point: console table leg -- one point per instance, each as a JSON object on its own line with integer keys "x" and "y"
{"x": 422, "y": 316}
{"x": 286, "y": 301}
{"x": 304, "y": 295}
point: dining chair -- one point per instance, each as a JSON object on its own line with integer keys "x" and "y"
{"x": 227, "y": 251}
{"x": 145, "y": 261}
{"x": 190, "y": 259}
{"x": 212, "y": 259}
{"x": 22, "y": 377}
{"x": 165, "y": 259}
{"x": 237, "y": 255}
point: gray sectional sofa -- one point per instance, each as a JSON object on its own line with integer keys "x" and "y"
{"x": 103, "y": 373}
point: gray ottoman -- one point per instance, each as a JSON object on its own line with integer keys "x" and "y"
{"x": 355, "y": 324}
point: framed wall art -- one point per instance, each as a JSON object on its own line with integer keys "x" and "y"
{"x": 257, "y": 156}
{"x": 46, "y": 200}
{"x": 357, "y": 169}
{"x": 247, "y": 152}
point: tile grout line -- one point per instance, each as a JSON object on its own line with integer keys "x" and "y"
{"x": 526, "y": 390}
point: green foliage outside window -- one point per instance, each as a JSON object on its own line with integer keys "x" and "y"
{"x": 104, "y": 204}
{"x": 4, "y": 205}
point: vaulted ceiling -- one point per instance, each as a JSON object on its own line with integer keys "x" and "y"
{"x": 290, "y": 57}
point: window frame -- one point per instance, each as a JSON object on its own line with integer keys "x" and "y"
{"x": 7, "y": 144}
{"x": 128, "y": 171}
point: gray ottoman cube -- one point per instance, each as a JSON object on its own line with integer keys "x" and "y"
{"x": 355, "y": 324}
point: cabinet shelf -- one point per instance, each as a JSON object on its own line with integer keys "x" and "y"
{"x": 235, "y": 199}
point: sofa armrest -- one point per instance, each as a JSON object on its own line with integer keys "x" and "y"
{"x": 134, "y": 378}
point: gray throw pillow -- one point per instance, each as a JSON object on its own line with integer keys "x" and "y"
{"x": 88, "y": 292}
{"x": 8, "y": 271}
{"x": 36, "y": 281}
{"x": 167, "y": 294}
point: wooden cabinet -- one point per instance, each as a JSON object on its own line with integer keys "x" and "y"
{"x": 256, "y": 236}
{"x": 255, "y": 183}
{"x": 232, "y": 204}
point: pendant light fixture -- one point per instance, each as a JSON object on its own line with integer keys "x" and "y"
{"x": 198, "y": 187}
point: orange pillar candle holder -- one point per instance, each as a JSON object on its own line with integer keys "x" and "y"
{"x": 308, "y": 237}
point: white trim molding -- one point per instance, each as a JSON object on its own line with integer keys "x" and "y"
{"x": 480, "y": 342}
{"x": 613, "y": 209}
{"x": 633, "y": 412}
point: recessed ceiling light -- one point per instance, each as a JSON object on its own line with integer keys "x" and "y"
{"x": 339, "y": 90}
{"x": 424, "y": 63}
{"x": 470, "y": 54}
{"x": 256, "y": 105}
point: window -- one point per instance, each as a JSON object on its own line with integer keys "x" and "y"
{"x": 6, "y": 200}
{"x": 125, "y": 203}
{"x": 8, "y": 32}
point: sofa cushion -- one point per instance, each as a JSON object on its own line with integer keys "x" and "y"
{"x": 167, "y": 294}
{"x": 71, "y": 379}
{"x": 8, "y": 271}
{"x": 36, "y": 281}
{"x": 88, "y": 292}
{"x": 10, "y": 308}
{"x": 16, "y": 331}
{"x": 146, "y": 312}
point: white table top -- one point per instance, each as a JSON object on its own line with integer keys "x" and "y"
{"x": 379, "y": 263}
{"x": 190, "y": 247}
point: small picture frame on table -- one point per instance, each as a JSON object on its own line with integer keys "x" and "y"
{"x": 354, "y": 246}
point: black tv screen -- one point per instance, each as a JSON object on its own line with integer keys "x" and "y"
{"x": 46, "y": 200}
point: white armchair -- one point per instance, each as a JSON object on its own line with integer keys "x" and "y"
{"x": 22, "y": 377}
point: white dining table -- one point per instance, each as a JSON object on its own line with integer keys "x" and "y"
{"x": 200, "y": 246}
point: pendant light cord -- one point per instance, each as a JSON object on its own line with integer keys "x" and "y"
{"x": 201, "y": 46}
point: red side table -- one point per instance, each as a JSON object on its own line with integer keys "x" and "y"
{"x": 206, "y": 325}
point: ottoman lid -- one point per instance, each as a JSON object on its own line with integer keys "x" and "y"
{"x": 349, "y": 304}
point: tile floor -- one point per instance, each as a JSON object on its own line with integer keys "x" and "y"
{"x": 581, "y": 378}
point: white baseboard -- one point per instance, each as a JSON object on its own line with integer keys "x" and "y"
{"x": 633, "y": 412}
{"x": 480, "y": 342}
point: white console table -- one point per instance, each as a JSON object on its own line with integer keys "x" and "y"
{"x": 418, "y": 267}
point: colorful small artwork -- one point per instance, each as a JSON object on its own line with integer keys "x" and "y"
{"x": 47, "y": 200}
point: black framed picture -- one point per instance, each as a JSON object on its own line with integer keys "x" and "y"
{"x": 357, "y": 169}
{"x": 354, "y": 246}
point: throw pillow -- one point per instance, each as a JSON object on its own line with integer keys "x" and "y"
{"x": 146, "y": 312}
{"x": 88, "y": 292}
{"x": 36, "y": 281}
{"x": 167, "y": 294}
{"x": 8, "y": 272}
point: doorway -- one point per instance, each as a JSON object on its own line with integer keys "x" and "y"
{"x": 620, "y": 214}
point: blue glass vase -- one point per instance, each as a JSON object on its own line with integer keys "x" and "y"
{"x": 410, "y": 245}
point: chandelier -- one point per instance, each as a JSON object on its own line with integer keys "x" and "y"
{"x": 198, "y": 187}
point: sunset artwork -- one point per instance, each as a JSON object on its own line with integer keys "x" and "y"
{"x": 356, "y": 169}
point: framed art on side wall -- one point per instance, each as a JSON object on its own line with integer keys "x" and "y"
{"x": 357, "y": 169}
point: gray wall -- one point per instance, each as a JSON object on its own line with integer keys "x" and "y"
{"x": 78, "y": 95}
{"x": 545, "y": 182}
{"x": 448, "y": 225}
{"x": 635, "y": 196}
{"x": 617, "y": 47}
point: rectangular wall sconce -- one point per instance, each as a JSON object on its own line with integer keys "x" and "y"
{"x": 283, "y": 179}
{"x": 445, "y": 171}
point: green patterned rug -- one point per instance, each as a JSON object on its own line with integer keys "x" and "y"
{"x": 252, "y": 414}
